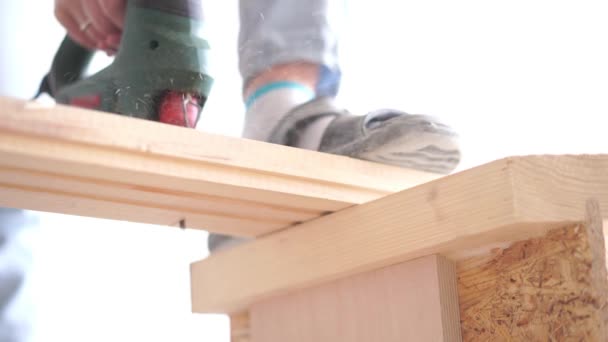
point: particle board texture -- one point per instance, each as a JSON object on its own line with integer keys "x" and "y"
{"x": 458, "y": 216}
{"x": 552, "y": 288}
{"x": 75, "y": 161}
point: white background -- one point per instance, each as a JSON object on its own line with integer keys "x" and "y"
{"x": 516, "y": 77}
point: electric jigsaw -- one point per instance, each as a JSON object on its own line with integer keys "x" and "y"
{"x": 160, "y": 71}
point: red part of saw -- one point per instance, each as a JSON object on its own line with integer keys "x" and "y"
{"x": 86, "y": 101}
{"x": 180, "y": 109}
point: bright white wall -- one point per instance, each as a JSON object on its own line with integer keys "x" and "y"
{"x": 517, "y": 77}
{"x": 26, "y": 39}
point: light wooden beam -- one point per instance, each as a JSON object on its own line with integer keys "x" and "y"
{"x": 548, "y": 288}
{"x": 239, "y": 327}
{"x": 412, "y": 301}
{"x": 82, "y": 162}
{"x": 457, "y": 216}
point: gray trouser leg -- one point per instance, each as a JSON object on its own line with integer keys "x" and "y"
{"x": 15, "y": 314}
{"x": 279, "y": 31}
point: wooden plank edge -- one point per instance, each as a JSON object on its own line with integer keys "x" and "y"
{"x": 171, "y": 174}
{"x": 239, "y": 327}
{"x": 132, "y": 212}
{"x": 90, "y": 187}
{"x": 448, "y": 299}
{"x": 323, "y": 249}
{"x": 234, "y": 156}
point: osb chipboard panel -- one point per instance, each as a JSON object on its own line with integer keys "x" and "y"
{"x": 543, "y": 289}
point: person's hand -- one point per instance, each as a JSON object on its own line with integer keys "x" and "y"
{"x": 94, "y": 24}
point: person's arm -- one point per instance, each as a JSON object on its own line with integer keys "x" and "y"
{"x": 95, "y": 24}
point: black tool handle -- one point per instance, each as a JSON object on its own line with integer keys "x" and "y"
{"x": 69, "y": 65}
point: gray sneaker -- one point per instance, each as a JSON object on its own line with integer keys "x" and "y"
{"x": 387, "y": 136}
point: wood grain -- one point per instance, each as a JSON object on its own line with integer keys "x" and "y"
{"x": 458, "y": 216}
{"x": 413, "y": 301}
{"x": 239, "y": 327}
{"x": 82, "y": 162}
{"x": 551, "y": 288}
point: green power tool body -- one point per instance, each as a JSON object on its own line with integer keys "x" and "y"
{"x": 162, "y": 58}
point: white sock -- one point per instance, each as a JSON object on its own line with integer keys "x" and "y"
{"x": 267, "y": 105}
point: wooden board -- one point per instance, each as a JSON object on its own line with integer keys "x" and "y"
{"x": 412, "y": 301}
{"x": 553, "y": 288}
{"x": 239, "y": 327}
{"x": 550, "y": 288}
{"x": 81, "y": 162}
{"x": 458, "y": 216}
